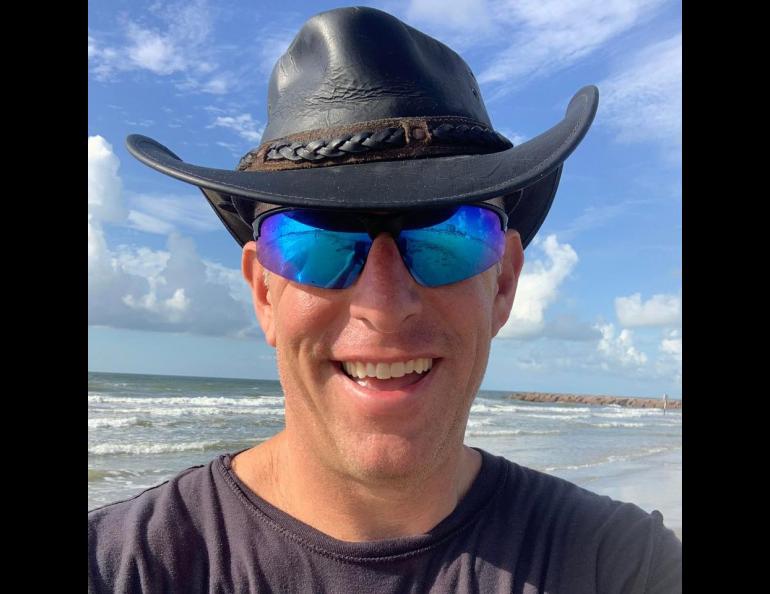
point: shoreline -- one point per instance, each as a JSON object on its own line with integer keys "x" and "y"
{"x": 596, "y": 400}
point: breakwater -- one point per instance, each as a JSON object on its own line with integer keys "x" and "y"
{"x": 596, "y": 400}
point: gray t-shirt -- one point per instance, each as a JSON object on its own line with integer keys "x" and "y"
{"x": 516, "y": 530}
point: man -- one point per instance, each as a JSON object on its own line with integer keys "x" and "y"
{"x": 383, "y": 223}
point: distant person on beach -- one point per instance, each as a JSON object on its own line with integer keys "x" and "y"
{"x": 383, "y": 223}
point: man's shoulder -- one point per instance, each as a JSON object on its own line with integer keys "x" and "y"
{"x": 159, "y": 532}
{"x": 174, "y": 511}
{"x": 533, "y": 489}
{"x": 615, "y": 537}
{"x": 165, "y": 497}
{"x": 546, "y": 504}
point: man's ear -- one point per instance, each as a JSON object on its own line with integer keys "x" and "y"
{"x": 507, "y": 280}
{"x": 254, "y": 273}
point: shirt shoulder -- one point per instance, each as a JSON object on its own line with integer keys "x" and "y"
{"x": 143, "y": 542}
{"x": 616, "y": 545}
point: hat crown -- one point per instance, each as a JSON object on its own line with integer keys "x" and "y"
{"x": 353, "y": 65}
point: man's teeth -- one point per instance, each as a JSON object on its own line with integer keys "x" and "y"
{"x": 386, "y": 370}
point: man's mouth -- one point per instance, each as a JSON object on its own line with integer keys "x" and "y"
{"x": 387, "y": 376}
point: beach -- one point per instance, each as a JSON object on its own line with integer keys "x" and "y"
{"x": 144, "y": 429}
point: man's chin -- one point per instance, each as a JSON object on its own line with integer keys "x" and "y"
{"x": 392, "y": 458}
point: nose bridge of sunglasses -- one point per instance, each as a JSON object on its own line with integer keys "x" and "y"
{"x": 376, "y": 224}
{"x": 393, "y": 223}
{"x": 387, "y": 256}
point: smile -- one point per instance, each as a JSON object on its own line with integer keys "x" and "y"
{"x": 361, "y": 370}
{"x": 383, "y": 385}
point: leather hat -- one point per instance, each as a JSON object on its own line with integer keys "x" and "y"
{"x": 366, "y": 112}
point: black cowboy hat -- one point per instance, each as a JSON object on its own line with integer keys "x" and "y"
{"x": 366, "y": 112}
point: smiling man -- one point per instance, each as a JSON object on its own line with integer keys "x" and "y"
{"x": 383, "y": 223}
{"x": 379, "y": 378}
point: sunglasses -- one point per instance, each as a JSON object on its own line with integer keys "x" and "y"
{"x": 328, "y": 248}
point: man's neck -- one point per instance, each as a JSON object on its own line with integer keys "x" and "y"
{"x": 354, "y": 510}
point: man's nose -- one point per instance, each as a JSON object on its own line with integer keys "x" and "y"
{"x": 385, "y": 296}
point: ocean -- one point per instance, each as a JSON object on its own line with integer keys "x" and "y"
{"x": 144, "y": 429}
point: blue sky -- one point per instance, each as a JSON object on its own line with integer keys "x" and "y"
{"x": 598, "y": 308}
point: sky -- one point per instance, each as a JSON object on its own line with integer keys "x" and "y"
{"x": 598, "y": 308}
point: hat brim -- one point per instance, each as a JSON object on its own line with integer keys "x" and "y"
{"x": 417, "y": 183}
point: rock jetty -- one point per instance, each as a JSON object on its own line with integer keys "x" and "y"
{"x": 595, "y": 400}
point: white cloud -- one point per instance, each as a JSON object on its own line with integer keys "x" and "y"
{"x": 671, "y": 345}
{"x": 173, "y": 38}
{"x": 456, "y": 14}
{"x": 175, "y": 45}
{"x": 538, "y": 288}
{"x": 549, "y": 35}
{"x": 169, "y": 290}
{"x": 626, "y": 364}
{"x": 242, "y": 124}
{"x": 149, "y": 224}
{"x": 233, "y": 148}
{"x": 619, "y": 349}
{"x": 151, "y": 213}
{"x": 172, "y": 309}
{"x": 163, "y": 213}
{"x": 143, "y": 289}
{"x": 154, "y": 51}
{"x": 514, "y": 137}
{"x": 528, "y": 39}
{"x": 141, "y": 261}
{"x": 670, "y": 360}
{"x": 103, "y": 60}
{"x": 98, "y": 254}
{"x": 232, "y": 279}
{"x": 567, "y": 327}
{"x": 219, "y": 85}
{"x": 659, "y": 310}
{"x": 643, "y": 102}
{"x": 104, "y": 185}
{"x": 594, "y": 217}
{"x": 142, "y": 123}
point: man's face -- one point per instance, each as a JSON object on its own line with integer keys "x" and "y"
{"x": 382, "y": 428}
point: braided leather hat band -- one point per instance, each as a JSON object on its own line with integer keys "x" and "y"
{"x": 375, "y": 140}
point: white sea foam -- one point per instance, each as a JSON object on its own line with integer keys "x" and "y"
{"x": 196, "y": 411}
{"x": 127, "y": 422}
{"x": 610, "y": 460}
{"x": 526, "y": 410}
{"x": 560, "y": 417}
{"x": 261, "y": 402}
{"x": 478, "y": 422}
{"x": 608, "y": 425}
{"x": 504, "y": 432}
{"x": 629, "y": 412}
{"x": 105, "y": 449}
{"x": 119, "y": 474}
{"x": 170, "y": 407}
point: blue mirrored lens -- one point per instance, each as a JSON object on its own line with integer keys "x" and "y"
{"x": 465, "y": 244}
{"x": 295, "y": 246}
{"x": 329, "y": 250}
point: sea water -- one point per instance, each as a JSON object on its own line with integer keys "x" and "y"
{"x": 144, "y": 429}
